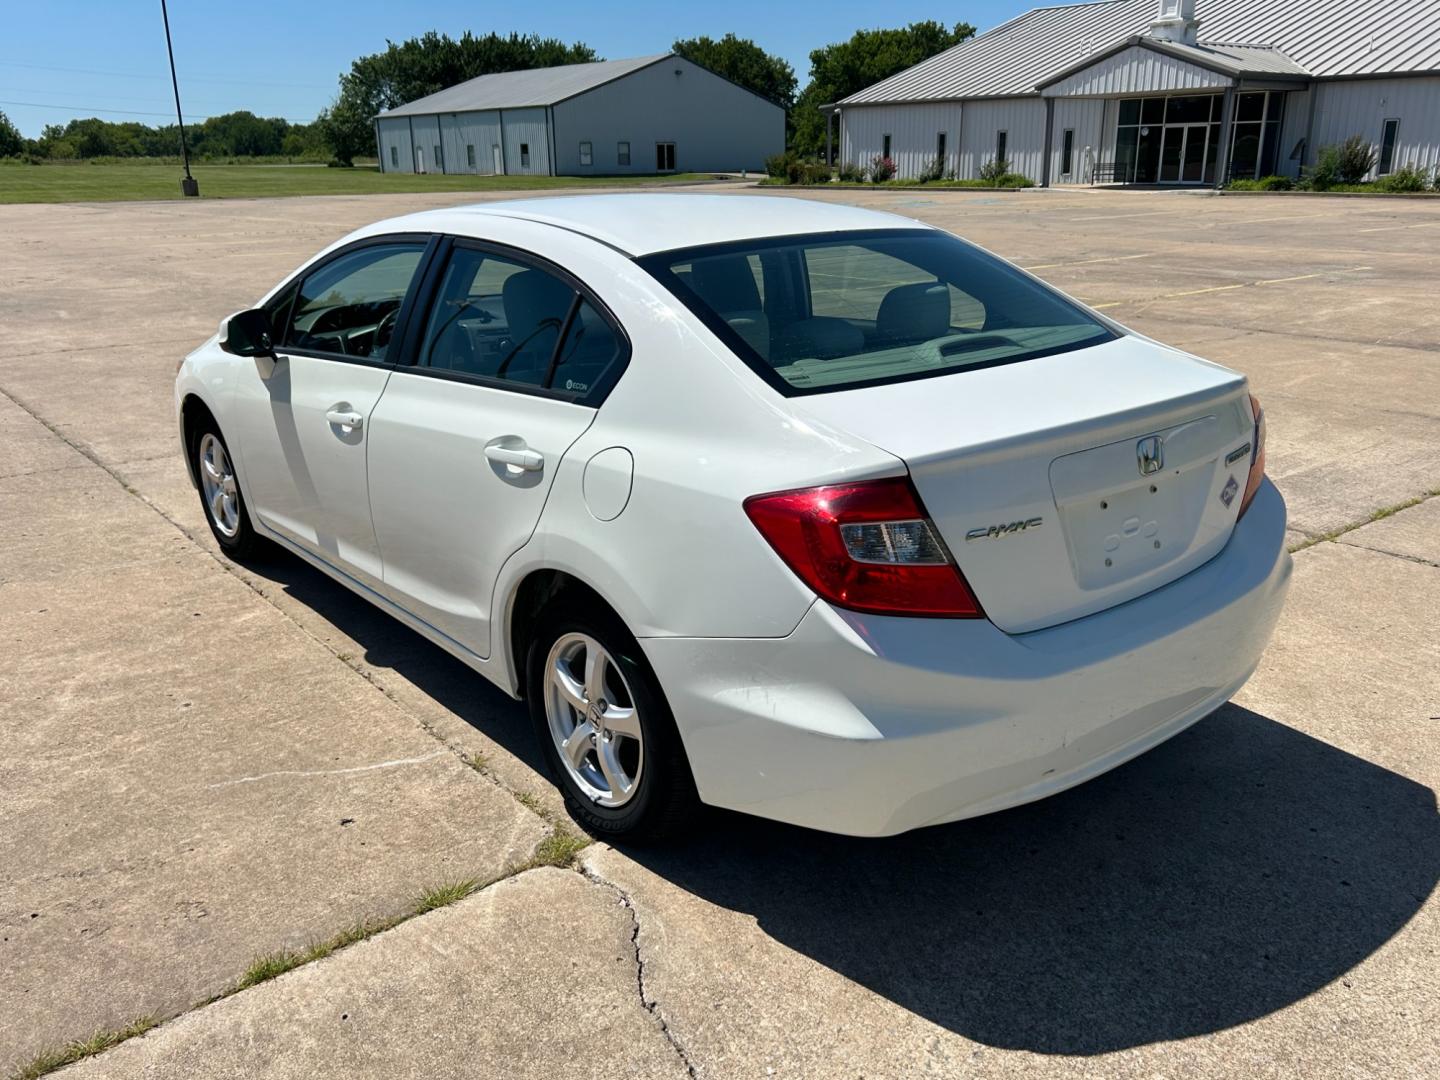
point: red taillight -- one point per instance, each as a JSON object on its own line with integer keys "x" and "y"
{"x": 868, "y": 546}
{"x": 1257, "y": 458}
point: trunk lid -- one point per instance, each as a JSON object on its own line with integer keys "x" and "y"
{"x": 1067, "y": 484}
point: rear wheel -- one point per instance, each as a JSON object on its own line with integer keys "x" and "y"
{"x": 220, "y": 494}
{"x": 605, "y": 728}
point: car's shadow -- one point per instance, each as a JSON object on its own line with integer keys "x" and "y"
{"x": 1225, "y": 875}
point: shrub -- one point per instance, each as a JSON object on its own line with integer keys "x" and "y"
{"x": 851, "y": 174}
{"x": 1265, "y": 183}
{"x": 1345, "y": 163}
{"x": 814, "y": 172}
{"x": 934, "y": 170}
{"x": 778, "y": 165}
{"x": 881, "y": 169}
{"x": 1405, "y": 178}
{"x": 994, "y": 170}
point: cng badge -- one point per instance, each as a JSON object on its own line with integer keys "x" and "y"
{"x": 997, "y": 532}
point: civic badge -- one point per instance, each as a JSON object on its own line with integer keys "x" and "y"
{"x": 1150, "y": 451}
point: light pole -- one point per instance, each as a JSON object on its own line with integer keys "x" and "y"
{"x": 188, "y": 185}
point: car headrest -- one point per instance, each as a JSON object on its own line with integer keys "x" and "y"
{"x": 533, "y": 297}
{"x": 725, "y": 283}
{"x": 913, "y": 313}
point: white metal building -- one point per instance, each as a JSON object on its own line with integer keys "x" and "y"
{"x": 653, "y": 114}
{"x": 1116, "y": 91}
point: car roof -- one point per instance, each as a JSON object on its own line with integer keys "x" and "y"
{"x": 640, "y": 224}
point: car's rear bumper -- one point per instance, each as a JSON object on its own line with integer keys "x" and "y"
{"x": 873, "y": 725}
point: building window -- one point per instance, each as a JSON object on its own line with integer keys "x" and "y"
{"x": 394, "y": 157}
{"x": 1387, "y": 147}
{"x": 1067, "y": 152}
{"x": 524, "y": 155}
{"x": 1001, "y": 138}
{"x": 470, "y": 155}
{"x": 885, "y": 146}
{"x": 622, "y": 153}
{"x": 586, "y": 156}
{"x": 664, "y": 157}
{"x": 940, "y": 148}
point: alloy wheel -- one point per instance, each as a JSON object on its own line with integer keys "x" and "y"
{"x": 217, "y": 482}
{"x": 593, "y": 720}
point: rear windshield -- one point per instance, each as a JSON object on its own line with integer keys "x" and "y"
{"x": 840, "y": 310}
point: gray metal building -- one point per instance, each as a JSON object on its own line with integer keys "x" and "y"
{"x": 1118, "y": 91}
{"x": 653, "y": 114}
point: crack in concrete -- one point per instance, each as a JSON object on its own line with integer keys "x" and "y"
{"x": 331, "y": 772}
{"x": 1384, "y": 551}
{"x": 649, "y": 1003}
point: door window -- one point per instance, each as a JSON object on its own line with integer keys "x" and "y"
{"x": 587, "y": 156}
{"x": 1002, "y": 139}
{"x": 524, "y": 155}
{"x": 470, "y": 155}
{"x": 497, "y": 318}
{"x": 622, "y": 153}
{"x": 1067, "y": 153}
{"x": 349, "y": 306}
{"x": 665, "y": 157}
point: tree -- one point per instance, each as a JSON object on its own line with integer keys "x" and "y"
{"x": 742, "y": 61}
{"x": 12, "y": 143}
{"x": 841, "y": 69}
{"x": 425, "y": 65}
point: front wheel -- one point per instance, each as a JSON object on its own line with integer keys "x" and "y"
{"x": 220, "y": 494}
{"x": 606, "y": 730}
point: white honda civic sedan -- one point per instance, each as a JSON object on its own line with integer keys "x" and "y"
{"x": 807, "y": 511}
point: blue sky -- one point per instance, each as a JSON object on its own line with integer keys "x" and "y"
{"x": 63, "y": 60}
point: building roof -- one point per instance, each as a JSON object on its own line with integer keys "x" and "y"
{"x": 1321, "y": 38}
{"x": 523, "y": 89}
{"x": 644, "y": 223}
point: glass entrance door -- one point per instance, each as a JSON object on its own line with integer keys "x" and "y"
{"x": 1184, "y": 151}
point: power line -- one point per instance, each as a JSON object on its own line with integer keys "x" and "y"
{"x": 147, "y": 75}
{"x": 132, "y": 112}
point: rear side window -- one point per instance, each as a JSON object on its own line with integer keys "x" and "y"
{"x": 350, "y": 305}
{"x": 841, "y": 310}
{"x": 496, "y": 318}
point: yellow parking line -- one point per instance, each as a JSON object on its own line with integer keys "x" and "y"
{"x": 1227, "y": 288}
{"x": 1087, "y": 262}
{"x": 1389, "y": 228}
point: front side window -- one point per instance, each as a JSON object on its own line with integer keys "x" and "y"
{"x": 832, "y": 312}
{"x": 622, "y": 153}
{"x": 350, "y": 305}
{"x": 496, "y": 318}
{"x": 587, "y": 156}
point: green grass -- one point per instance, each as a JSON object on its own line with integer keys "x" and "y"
{"x": 50, "y": 1060}
{"x": 82, "y": 182}
{"x": 439, "y": 896}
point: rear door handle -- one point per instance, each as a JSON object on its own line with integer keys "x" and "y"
{"x": 345, "y": 418}
{"x": 520, "y": 457}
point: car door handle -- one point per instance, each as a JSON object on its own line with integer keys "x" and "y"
{"x": 520, "y": 457}
{"x": 345, "y": 418}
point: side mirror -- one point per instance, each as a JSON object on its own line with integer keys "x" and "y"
{"x": 247, "y": 333}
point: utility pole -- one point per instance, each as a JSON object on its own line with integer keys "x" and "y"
{"x": 188, "y": 185}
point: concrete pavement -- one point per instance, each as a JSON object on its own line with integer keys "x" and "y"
{"x": 204, "y": 763}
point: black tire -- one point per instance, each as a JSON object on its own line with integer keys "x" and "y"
{"x": 243, "y": 542}
{"x": 665, "y": 802}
